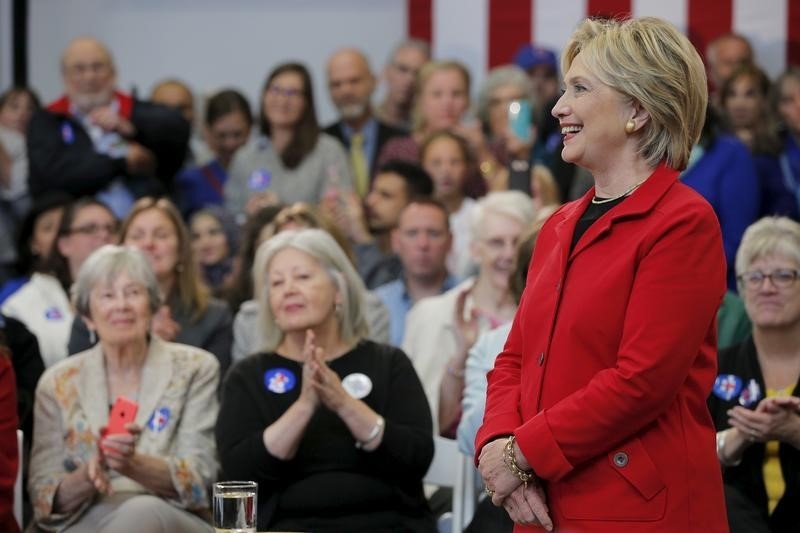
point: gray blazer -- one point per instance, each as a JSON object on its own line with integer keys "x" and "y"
{"x": 177, "y": 411}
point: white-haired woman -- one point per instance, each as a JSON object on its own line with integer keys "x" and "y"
{"x": 756, "y": 395}
{"x": 441, "y": 329}
{"x": 155, "y": 475}
{"x": 597, "y": 403}
{"x": 334, "y": 428}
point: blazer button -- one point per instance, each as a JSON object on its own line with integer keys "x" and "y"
{"x": 621, "y": 459}
{"x": 541, "y": 359}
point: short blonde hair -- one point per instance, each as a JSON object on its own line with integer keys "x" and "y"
{"x": 322, "y": 247}
{"x": 423, "y": 77}
{"x": 649, "y": 61}
{"x": 768, "y": 236}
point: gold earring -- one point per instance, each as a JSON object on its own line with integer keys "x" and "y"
{"x": 630, "y": 126}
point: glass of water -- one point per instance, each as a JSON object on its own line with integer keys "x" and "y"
{"x": 235, "y": 506}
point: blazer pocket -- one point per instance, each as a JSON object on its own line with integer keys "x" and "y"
{"x": 622, "y": 485}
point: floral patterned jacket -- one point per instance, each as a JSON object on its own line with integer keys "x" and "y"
{"x": 177, "y": 411}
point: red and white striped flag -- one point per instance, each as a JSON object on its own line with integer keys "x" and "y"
{"x": 486, "y": 33}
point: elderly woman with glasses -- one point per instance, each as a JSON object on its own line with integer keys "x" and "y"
{"x": 756, "y": 396}
{"x": 334, "y": 428}
{"x": 153, "y": 473}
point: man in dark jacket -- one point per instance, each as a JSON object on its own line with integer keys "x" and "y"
{"x": 351, "y": 82}
{"x": 96, "y": 140}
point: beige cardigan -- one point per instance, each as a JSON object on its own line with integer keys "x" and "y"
{"x": 177, "y": 411}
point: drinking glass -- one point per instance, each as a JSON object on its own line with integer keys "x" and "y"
{"x": 235, "y": 505}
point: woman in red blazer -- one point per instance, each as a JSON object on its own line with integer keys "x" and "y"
{"x": 596, "y": 416}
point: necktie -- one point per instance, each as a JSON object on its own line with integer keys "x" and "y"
{"x": 358, "y": 161}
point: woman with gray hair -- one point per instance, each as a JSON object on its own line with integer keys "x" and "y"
{"x": 334, "y": 428}
{"x": 756, "y": 395}
{"x": 153, "y": 473}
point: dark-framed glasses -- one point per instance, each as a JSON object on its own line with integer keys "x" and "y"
{"x": 782, "y": 278}
{"x": 94, "y": 229}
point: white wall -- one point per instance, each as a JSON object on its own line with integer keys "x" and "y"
{"x": 212, "y": 43}
{"x": 6, "y": 45}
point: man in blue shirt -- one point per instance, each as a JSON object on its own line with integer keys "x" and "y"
{"x": 421, "y": 240}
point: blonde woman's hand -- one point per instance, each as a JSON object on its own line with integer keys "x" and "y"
{"x": 163, "y": 325}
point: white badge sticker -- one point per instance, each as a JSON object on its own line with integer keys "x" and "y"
{"x": 357, "y": 385}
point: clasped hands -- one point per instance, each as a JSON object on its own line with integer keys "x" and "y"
{"x": 524, "y": 504}
{"x": 114, "y": 452}
{"x": 774, "y": 418}
{"x": 320, "y": 383}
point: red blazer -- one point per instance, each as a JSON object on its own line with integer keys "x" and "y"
{"x": 9, "y": 461}
{"x": 612, "y": 354}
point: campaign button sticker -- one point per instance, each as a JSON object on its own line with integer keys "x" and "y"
{"x": 159, "y": 419}
{"x": 279, "y": 380}
{"x": 750, "y": 394}
{"x": 357, "y": 385}
{"x": 726, "y": 386}
{"x": 53, "y": 313}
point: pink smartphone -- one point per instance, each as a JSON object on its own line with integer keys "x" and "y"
{"x": 123, "y": 412}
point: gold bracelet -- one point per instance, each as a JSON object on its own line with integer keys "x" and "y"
{"x": 510, "y": 460}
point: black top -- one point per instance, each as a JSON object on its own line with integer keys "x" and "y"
{"x": 385, "y": 133}
{"x": 28, "y": 367}
{"x": 330, "y": 485}
{"x": 591, "y": 215}
{"x": 69, "y": 163}
{"x": 740, "y": 382}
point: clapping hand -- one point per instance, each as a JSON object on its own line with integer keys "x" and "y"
{"x": 311, "y": 353}
{"x": 163, "y": 325}
{"x": 466, "y": 329}
{"x": 773, "y": 419}
{"x": 109, "y": 120}
{"x": 326, "y": 383}
{"x": 97, "y": 473}
{"x": 119, "y": 449}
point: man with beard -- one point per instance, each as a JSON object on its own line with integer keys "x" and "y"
{"x": 351, "y": 83}
{"x": 96, "y": 140}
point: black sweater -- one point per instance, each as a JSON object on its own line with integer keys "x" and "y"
{"x": 330, "y": 485}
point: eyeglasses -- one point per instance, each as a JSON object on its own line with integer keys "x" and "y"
{"x": 94, "y": 229}
{"x": 288, "y": 92}
{"x": 783, "y": 278}
{"x": 79, "y": 69}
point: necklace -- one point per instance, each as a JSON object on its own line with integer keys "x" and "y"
{"x": 595, "y": 201}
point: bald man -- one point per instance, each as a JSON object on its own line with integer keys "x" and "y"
{"x": 351, "y": 83}
{"x": 96, "y": 140}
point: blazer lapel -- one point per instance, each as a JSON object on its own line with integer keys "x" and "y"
{"x": 643, "y": 201}
{"x": 93, "y": 388}
{"x": 156, "y": 375}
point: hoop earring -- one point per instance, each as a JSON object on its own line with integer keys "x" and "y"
{"x": 630, "y": 126}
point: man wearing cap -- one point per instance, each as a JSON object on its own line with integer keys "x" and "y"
{"x": 542, "y": 68}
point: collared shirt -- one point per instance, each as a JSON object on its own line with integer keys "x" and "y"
{"x": 370, "y": 133}
{"x": 395, "y": 297}
{"x": 116, "y": 195}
